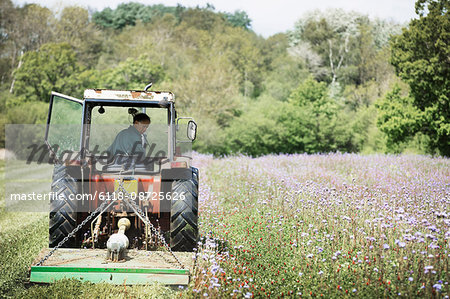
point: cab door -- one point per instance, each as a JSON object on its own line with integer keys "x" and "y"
{"x": 64, "y": 125}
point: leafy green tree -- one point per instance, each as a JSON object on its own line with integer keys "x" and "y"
{"x": 30, "y": 28}
{"x": 210, "y": 90}
{"x": 128, "y": 14}
{"x": 75, "y": 28}
{"x": 33, "y": 27}
{"x": 239, "y": 19}
{"x": 331, "y": 35}
{"x": 313, "y": 120}
{"x": 45, "y": 70}
{"x": 133, "y": 74}
{"x": 257, "y": 131}
{"x": 156, "y": 40}
{"x": 309, "y": 122}
{"x": 365, "y": 58}
{"x": 241, "y": 48}
{"x": 364, "y": 133}
{"x": 283, "y": 71}
{"x": 383, "y": 30}
{"x": 28, "y": 113}
{"x": 420, "y": 56}
{"x": 202, "y": 18}
{"x": 104, "y": 18}
{"x": 8, "y": 14}
{"x": 361, "y": 96}
{"x": 52, "y": 67}
{"x": 398, "y": 118}
{"x": 342, "y": 46}
{"x": 125, "y": 14}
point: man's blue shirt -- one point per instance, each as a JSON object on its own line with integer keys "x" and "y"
{"x": 127, "y": 142}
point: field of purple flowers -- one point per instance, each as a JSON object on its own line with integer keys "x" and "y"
{"x": 324, "y": 225}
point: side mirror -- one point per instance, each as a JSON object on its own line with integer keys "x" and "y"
{"x": 191, "y": 130}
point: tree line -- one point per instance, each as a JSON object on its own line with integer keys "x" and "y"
{"x": 338, "y": 81}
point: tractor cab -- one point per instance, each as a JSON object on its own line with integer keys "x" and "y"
{"x": 86, "y": 128}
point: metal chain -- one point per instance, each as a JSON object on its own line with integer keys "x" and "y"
{"x": 72, "y": 233}
{"x": 136, "y": 209}
{"x": 145, "y": 219}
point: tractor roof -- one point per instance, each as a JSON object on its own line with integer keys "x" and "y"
{"x": 120, "y": 95}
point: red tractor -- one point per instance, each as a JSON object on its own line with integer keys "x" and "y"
{"x": 121, "y": 201}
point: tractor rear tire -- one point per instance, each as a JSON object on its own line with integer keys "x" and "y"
{"x": 63, "y": 216}
{"x": 184, "y": 214}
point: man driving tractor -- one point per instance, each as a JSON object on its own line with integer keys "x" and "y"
{"x": 132, "y": 140}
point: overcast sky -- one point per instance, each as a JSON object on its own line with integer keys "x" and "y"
{"x": 268, "y": 17}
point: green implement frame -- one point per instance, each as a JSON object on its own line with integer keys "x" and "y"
{"x": 139, "y": 267}
{"x": 47, "y": 274}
